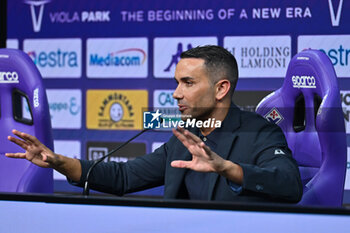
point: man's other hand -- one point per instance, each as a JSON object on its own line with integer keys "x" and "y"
{"x": 35, "y": 151}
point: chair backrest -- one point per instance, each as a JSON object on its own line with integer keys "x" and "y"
{"x": 23, "y": 106}
{"x": 308, "y": 109}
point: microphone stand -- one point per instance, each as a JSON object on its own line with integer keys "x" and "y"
{"x": 86, "y": 183}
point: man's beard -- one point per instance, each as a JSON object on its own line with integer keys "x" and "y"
{"x": 198, "y": 113}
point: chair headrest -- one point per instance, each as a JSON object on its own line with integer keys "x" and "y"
{"x": 22, "y": 96}
{"x": 310, "y": 72}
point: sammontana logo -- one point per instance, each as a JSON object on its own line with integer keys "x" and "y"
{"x": 116, "y": 112}
{"x": 115, "y": 109}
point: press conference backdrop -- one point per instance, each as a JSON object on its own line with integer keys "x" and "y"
{"x": 105, "y": 62}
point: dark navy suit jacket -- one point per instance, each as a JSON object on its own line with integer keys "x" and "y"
{"x": 245, "y": 138}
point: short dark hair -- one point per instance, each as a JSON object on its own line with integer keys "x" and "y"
{"x": 219, "y": 63}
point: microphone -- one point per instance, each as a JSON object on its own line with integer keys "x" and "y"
{"x": 86, "y": 183}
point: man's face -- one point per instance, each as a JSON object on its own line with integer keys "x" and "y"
{"x": 195, "y": 92}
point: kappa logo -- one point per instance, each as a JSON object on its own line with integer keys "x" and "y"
{"x": 274, "y": 116}
{"x": 279, "y": 152}
{"x": 176, "y": 57}
{"x": 37, "y": 19}
{"x": 335, "y": 18}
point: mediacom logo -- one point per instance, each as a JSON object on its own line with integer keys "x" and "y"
{"x": 55, "y": 58}
{"x": 117, "y": 58}
{"x": 115, "y": 109}
{"x": 337, "y": 48}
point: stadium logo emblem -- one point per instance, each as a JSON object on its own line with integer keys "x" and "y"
{"x": 37, "y": 19}
{"x": 335, "y": 18}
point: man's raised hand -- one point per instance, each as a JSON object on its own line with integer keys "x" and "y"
{"x": 35, "y": 151}
{"x": 203, "y": 158}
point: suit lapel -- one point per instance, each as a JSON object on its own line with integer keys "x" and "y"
{"x": 176, "y": 175}
{"x": 226, "y": 136}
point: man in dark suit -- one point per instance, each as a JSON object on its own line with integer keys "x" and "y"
{"x": 246, "y": 158}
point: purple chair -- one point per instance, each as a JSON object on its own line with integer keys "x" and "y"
{"x": 23, "y": 106}
{"x": 308, "y": 109}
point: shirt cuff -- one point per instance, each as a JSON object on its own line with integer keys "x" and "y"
{"x": 235, "y": 187}
{"x": 85, "y": 165}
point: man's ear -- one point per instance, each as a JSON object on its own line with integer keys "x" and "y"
{"x": 222, "y": 88}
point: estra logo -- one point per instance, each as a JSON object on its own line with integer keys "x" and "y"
{"x": 336, "y": 47}
{"x": 55, "y": 58}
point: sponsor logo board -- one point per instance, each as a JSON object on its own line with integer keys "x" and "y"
{"x": 347, "y": 177}
{"x": 156, "y": 145}
{"x": 117, "y": 58}
{"x": 12, "y": 44}
{"x": 65, "y": 108}
{"x": 97, "y": 150}
{"x": 345, "y": 102}
{"x": 163, "y": 101}
{"x": 167, "y": 51}
{"x": 249, "y": 100}
{"x": 260, "y": 56}
{"x": 68, "y": 148}
{"x": 115, "y": 109}
{"x": 337, "y": 48}
{"x": 55, "y": 58}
